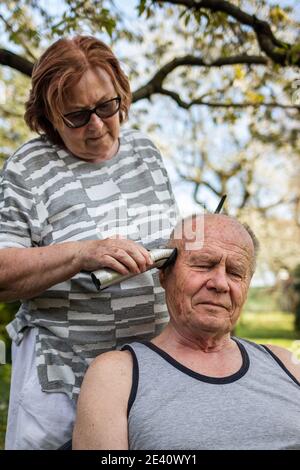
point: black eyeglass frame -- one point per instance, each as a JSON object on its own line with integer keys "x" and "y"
{"x": 89, "y": 112}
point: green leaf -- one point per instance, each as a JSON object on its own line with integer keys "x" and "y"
{"x": 141, "y": 7}
{"x": 187, "y": 19}
{"x": 199, "y": 14}
{"x": 183, "y": 13}
{"x": 294, "y": 54}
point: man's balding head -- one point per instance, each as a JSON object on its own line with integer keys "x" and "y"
{"x": 190, "y": 232}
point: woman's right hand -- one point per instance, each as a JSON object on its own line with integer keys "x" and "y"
{"x": 26, "y": 272}
{"x": 121, "y": 255}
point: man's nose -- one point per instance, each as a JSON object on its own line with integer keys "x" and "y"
{"x": 218, "y": 280}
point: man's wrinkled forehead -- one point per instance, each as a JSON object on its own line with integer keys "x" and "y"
{"x": 193, "y": 233}
{"x": 214, "y": 254}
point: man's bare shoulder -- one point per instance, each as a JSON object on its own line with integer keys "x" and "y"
{"x": 112, "y": 357}
{"x": 108, "y": 380}
{"x": 112, "y": 363}
{"x": 290, "y": 361}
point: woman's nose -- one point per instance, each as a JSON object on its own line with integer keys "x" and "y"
{"x": 95, "y": 121}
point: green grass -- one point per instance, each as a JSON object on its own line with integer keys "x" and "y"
{"x": 268, "y": 327}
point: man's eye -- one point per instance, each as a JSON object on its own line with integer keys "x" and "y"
{"x": 235, "y": 274}
{"x": 202, "y": 267}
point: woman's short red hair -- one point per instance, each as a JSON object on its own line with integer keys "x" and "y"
{"x": 59, "y": 68}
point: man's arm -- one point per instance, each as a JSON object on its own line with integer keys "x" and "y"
{"x": 291, "y": 362}
{"x": 101, "y": 422}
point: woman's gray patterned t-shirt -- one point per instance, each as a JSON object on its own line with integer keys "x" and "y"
{"x": 48, "y": 196}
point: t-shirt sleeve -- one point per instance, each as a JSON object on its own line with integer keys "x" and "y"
{"x": 19, "y": 225}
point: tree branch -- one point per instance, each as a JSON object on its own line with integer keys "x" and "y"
{"x": 278, "y": 51}
{"x": 154, "y": 86}
{"x": 189, "y": 60}
{"x": 212, "y": 104}
{"x": 190, "y": 179}
{"x": 16, "y": 62}
{"x": 263, "y": 209}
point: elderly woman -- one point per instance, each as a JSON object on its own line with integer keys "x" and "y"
{"x": 81, "y": 196}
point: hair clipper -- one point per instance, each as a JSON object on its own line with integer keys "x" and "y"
{"x": 161, "y": 257}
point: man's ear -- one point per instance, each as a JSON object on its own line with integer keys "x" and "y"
{"x": 162, "y": 277}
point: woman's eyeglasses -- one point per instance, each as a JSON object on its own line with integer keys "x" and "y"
{"x": 102, "y": 110}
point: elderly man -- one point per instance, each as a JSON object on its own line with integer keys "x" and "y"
{"x": 195, "y": 386}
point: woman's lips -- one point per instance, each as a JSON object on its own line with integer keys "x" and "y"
{"x": 99, "y": 137}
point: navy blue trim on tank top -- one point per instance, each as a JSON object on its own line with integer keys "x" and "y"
{"x": 280, "y": 363}
{"x": 204, "y": 378}
{"x": 135, "y": 377}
